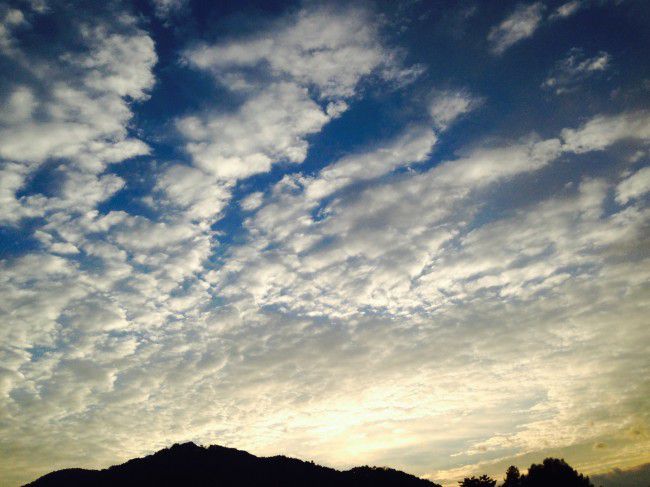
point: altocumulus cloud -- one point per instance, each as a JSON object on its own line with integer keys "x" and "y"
{"x": 402, "y": 302}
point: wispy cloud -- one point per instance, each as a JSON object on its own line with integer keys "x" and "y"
{"x": 447, "y": 106}
{"x": 519, "y": 25}
{"x": 525, "y": 20}
{"x": 568, "y": 9}
{"x": 574, "y": 69}
{"x": 166, "y": 8}
{"x": 634, "y": 186}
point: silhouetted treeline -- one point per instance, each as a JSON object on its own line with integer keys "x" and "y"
{"x": 217, "y": 466}
{"x": 552, "y": 472}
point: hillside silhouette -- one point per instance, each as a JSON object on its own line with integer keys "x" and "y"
{"x": 216, "y": 466}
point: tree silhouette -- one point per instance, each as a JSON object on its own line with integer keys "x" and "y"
{"x": 554, "y": 471}
{"x": 482, "y": 481}
{"x": 513, "y": 477}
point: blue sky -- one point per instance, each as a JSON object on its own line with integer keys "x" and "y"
{"x": 397, "y": 233}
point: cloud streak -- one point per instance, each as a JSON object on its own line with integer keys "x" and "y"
{"x": 521, "y": 24}
{"x": 574, "y": 69}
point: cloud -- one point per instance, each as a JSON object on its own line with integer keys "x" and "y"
{"x": 407, "y": 249}
{"x": 290, "y": 80}
{"x": 574, "y": 69}
{"x": 324, "y": 48}
{"x": 116, "y": 66}
{"x": 76, "y": 109}
{"x": 124, "y": 273}
{"x": 624, "y": 478}
{"x": 521, "y": 24}
{"x": 378, "y": 225}
{"x": 526, "y": 20}
{"x": 600, "y": 132}
{"x": 191, "y": 191}
{"x": 447, "y": 106}
{"x": 253, "y": 201}
{"x": 139, "y": 233}
{"x": 411, "y": 147}
{"x": 11, "y": 19}
{"x": 268, "y": 128}
{"x": 19, "y": 105}
{"x": 336, "y": 108}
{"x": 567, "y": 9}
{"x": 342, "y": 307}
{"x": 164, "y": 9}
{"x": 634, "y": 186}
{"x": 388, "y": 305}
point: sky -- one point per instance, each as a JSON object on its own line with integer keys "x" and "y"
{"x": 404, "y": 233}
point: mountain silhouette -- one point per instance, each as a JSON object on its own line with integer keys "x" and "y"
{"x": 190, "y": 465}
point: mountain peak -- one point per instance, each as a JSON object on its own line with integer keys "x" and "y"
{"x": 188, "y": 445}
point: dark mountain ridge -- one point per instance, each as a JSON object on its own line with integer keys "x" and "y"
{"x": 216, "y": 466}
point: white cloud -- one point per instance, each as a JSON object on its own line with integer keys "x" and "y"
{"x": 447, "y": 106}
{"x": 252, "y": 201}
{"x": 118, "y": 63}
{"x": 600, "y": 132}
{"x": 12, "y": 178}
{"x": 78, "y": 115}
{"x": 11, "y": 19}
{"x": 138, "y": 233}
{"x": 413, "y": 146}
{"x": 567, "y": 9}
{"x": 166, "y": 8}
{"x": 392, "y": 231}
{"x": 574, "y": 69}
{"x": 634, "y": 186}
{"x": 193, "y": 191}
{"x": 521, "y": 24}
{"x": 84, "y": 113}
{"x": 379, "y": 230}
{"x": 63, "y": 248}
{"x": 326, "y": 48}
{"x": 269, "y": 127}
{"x": 336, "y": 108}
{"x": 19, "y": 106}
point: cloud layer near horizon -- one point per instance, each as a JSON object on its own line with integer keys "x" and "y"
{"x": 393, "y": 306}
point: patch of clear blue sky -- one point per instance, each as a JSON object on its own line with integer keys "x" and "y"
{"x": 447, "y": 37}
